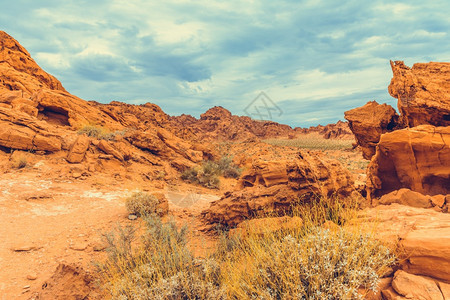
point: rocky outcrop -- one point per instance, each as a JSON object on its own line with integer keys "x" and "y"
{"x": 420, "y": 234}
{"x": 414, "y": 158}
{"x": 416, "y": 287}
{"x": 415, "y": 199}
{"x": 38, "y": 114}
{"x": 422, "y": 92}
{"x": 20, "y": 131}
{"x": 338, "y": 130}
{"x": 276, "y": 185}
{"x": 219, "y": 124}
{"x": 20, "y": 72}
{"x": 369, "y": 122}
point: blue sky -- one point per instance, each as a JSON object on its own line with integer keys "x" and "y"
{"x": 314, "y": 59}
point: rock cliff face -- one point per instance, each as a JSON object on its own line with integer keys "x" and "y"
{"x": 422, "y": 92}
{"x": 415, "y": 158}
{"x": 418, "y": 156}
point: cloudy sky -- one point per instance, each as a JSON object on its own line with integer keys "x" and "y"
{"x": 314, "y": 59}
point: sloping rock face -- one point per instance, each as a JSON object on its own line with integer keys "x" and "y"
{"x": 422, "y": 92}
{"x": 276, "y": 185}
{"x": 38, "y": 114}
{"x": 369, "y": 122}
{"x": 415, "y": 158}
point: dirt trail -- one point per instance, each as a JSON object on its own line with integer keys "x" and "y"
{"x": 45, "y": 222}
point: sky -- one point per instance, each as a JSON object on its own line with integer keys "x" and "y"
{"x": 306, "y": 61}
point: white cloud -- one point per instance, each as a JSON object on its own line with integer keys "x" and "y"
{"x": 189, "y": 55}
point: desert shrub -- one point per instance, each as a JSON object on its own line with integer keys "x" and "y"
{"x": 159, "y": 266}
{"x": 305, "y": 262}
{"x": 97, "y": 132}
{"x": 227, "y": 168}
{"x": 317, "y": 264}
{"x": 205, "y": 175}
{"x": 141, "y": 203}
{"x": 208, "y": 173}
{"x": 19, "y": 161}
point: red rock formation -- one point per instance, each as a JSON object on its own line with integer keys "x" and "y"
{"x": 369, "y": 122}
{"x": 414, "y": 158}
{"x": 421, "y": 234}
{"x": 37, "y": 113}
{"x": 422, "y": 92}
{"x": 219, "y": 124}
{"x": 338, "y": 130}
{"x": 276, "y": 185}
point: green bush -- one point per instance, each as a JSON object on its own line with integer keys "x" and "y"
{"x": 141, "y": 203}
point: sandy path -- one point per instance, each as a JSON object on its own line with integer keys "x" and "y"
{"x": 61, "y": 221}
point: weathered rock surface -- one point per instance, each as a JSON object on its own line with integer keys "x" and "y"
{"x": 423, "y": 92}
{"x": 369, "y": 122}
{"x": 415, "y": 158}
{"x": 421, "y": 234}
{"x": 407, "y": 197}
{"x": 78, "y": 149}
{"x": 416, "y": 287}
{"x": 276, "y": 185}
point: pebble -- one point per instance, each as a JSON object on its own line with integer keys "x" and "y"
{"x": 132, "y": 217}
{"x": 31, "y": 276}
{"x": 79, "y": 247}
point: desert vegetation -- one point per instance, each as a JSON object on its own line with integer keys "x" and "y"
{"x": 98, "y": 132}
{"x": 207, "y": 174}
{"x": 311, "y": 261}
{"x": 312, "y": 142}
{"x": 142, "y": 204}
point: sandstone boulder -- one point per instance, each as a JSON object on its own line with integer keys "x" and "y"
{"x": 109, "y": 149}
{"x": 369, "y": 122}
{"x": 78, "y": 150}
{"x": 277, "y": 185}
{"x": 422, "y": 92}
{"x": 415, "y": 158}
{"x": 407, "y": 197}
{"x": 416, "y": 287}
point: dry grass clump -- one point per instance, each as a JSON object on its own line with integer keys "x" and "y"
{"x": 208, "y": 173}
{"x": 19, "y": 161}
{"x": 160, "y": 266}
{"x": 141, "y": 203}
{"x": 98, "y": 132}
{"x": 312, "y": 142}
{"x": 308, "y": 262}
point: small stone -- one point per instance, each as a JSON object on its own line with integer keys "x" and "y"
{"x": 24, "y": 248}
{"x": 79, "y": 247}
{"x": 26, "y": 287}
{"x": 132, "y": 217}
{"x": 32, "y": 276}
{"x": 76, "y": 175}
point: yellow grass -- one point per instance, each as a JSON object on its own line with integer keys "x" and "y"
{"x": 312, "y": 142}
{"x": 312, "y": 261}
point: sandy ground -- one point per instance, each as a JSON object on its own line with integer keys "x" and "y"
{"x": 45, "y": 222}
